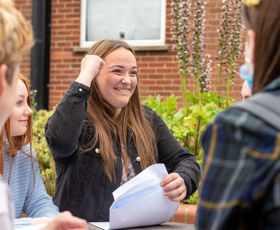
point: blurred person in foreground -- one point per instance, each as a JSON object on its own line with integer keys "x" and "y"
{"x": 241, "y": 171}
{"x": 16, "y": 38}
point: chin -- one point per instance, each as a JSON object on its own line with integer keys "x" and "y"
{"x": 123, "y": 105}
{"x": 22, "y": 132}
{"x": 120, "y": 103}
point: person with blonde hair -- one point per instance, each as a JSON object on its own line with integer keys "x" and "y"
{"x": 16, "y": 38}
{"x": 101, "y": 136}
{"x": 240, "y": 182}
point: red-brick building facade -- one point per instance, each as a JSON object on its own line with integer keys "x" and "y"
{"x": 158, "y": 69}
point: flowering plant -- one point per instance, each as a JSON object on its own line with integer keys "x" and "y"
{"x": 188, "y": 33}
{"x": 229, "y": 44}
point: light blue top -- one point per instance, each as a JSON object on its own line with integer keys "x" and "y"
{"x": 34, "y": 204}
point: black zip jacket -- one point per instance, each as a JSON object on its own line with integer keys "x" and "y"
{"x": 81, "y": 185}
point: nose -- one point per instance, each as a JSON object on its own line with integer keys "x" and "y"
{"x": 28, "y": 111}
{"x": 126, "y": 79}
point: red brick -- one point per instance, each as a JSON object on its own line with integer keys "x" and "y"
{"x": 158, "y": 71}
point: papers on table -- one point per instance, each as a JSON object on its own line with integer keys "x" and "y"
{"x": 140, "y": 201}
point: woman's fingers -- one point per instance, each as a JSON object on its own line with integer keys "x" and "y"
{"x": 66, "y": 221}
{"x": 90, "y": 66}
{"x": 174, "y": 187}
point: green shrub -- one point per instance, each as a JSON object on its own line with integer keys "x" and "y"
{"x": 44, "y": 156}
{"x": 188, "y": 127}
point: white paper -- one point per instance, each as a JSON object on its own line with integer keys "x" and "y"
{"x": 102, "y": 225}
{"x": 33, "y": 227}
{"x": 140, "y": 201}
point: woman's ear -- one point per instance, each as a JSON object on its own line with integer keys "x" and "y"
{"x": 3, "y": 81}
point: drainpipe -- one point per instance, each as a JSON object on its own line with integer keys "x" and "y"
{"x": 40, "y": 52}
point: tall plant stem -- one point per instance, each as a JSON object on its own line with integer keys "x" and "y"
{"x": 219, "y": 82}
{"x": 183, "y": 78}
{"x": 198, "y": 127}
{"x": 228, "y": 83}
{"x": 197, "y": 139}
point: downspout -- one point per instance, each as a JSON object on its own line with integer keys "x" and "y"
{"x": 40, "y": 52}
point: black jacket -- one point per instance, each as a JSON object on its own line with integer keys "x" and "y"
{"x": 81, "y": 185}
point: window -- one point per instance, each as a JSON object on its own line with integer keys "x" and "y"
{"x": 138, "y": 22}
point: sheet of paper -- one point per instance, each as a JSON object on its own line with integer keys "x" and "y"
{"x": 33, "y": 227}
{"x": 140, "y": 201}
{"x": 102, "y": 225}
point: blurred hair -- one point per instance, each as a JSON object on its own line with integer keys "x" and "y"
{"x": 131, "y": 121}
{"x": 264, "y": 19}
{"x": 16, "y": 36}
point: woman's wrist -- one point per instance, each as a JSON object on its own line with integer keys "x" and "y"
{"x": 84, "y": 78}
{"x": 40, "y": 220}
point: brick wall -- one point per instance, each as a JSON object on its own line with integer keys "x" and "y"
{"x": 158, "y": 70}
{"x": 25, "y": 6}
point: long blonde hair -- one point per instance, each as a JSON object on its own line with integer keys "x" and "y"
{"x": 131, "y": 122}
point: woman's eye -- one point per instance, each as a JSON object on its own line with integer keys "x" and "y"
{"x": 133, "y": 73}
{"x": 117, "y": 71}
{"x": 19, "y": 102}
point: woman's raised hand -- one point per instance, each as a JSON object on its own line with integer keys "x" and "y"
{"x": 90, "y": 65}
{"x": 174, "y": 187}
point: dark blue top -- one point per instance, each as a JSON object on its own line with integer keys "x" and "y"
{"x": 240, "y": 185}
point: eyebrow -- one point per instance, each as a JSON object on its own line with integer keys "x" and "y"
{"x": 120, "y": 66}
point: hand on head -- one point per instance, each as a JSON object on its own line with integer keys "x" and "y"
{"x": 174, "y": 187}
{"x": 90, "y": 65}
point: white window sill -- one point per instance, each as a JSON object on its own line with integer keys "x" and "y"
{"x": 135, "y": 48}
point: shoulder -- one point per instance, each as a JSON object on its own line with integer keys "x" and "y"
{"x": 259, "y": 112}
{"x": 236, "y": 118}
{"x": 151, "y": 115}
{"x": 147, "y": 110}
{"x": 27, "y": 151}
{"x": 238, "y": 126}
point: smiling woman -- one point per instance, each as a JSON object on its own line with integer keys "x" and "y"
{"x": 119, "y": 78}
{"x": 21, "y": 113}
{"x": 101, "y": 136}
{"x": 20, "y": 169}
